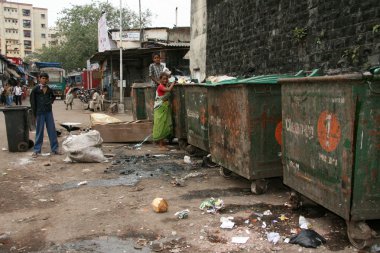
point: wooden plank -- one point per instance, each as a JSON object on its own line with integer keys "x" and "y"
{"x": 125, "y": 132}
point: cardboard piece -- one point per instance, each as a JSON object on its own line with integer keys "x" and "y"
{"x": 135, "y": 131}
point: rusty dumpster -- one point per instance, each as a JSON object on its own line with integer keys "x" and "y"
{"x": 197, "y": 115}
{"x": 150, "y": 96}
{"x": 331, "y": 146}
{"x": 244, "y": 118}
{"x": 179, "y": 112}
{"x": 138, "y": 101}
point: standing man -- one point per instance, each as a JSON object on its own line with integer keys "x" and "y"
{"x": 41, "y": 100}
{"x": 155, "y": 69}
{"x": 18, "y": 93}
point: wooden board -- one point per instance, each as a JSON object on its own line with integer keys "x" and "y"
{"x": 135, "y": 131}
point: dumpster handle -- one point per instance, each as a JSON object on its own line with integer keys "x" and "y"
{"x": 371, "y": 88}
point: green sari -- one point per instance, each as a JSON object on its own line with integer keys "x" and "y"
{"x": 162, "y": 120}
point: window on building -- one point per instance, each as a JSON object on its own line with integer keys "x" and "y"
{"x": 43, "y": 16}
{"x": 27, "y": 23}
{"x": 43, "y": 45}
{"x": 25, "y": 12}
{"x": 27, "y": 33}
{"x": 28, "y": 44}
{"x": 43, "y": 35}
{"x": 27, "y": 52}
{"x": 43, "y": 26}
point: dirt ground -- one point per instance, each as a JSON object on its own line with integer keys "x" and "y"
{"x": 43, "y": 209}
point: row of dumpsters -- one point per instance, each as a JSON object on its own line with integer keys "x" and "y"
{"x": 321, "y": 134}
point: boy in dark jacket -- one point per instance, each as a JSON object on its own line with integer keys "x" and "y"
{"x": 41, "y": 100}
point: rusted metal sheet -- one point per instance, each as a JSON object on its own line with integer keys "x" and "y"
{"x": 328, "y": 153}
{"x": 150, "y": 95}
{"x": 245, "y": 129}
{"x": 179, "y": 112}
{"x": 197, "y": 116}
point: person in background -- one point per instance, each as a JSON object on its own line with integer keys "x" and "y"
{"x": 17, "y": 91}
{"x": 155, "y": 69}
{"x": 95, "y": 102}
{"x": 41, "y": 100}
{"x": 69, "y": 97}
{"x": 8, "y": 95}
{"x": 2, "y": 95}
{"x": 162, "y": 122}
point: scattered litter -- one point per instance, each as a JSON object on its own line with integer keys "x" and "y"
{"x": 178, "y": 182}
{"x": 174, "y": 233}
{"x": 139, "y": 145}
{"x": 140, "y": 243}
{"x": 247, "y": 231}
{"x": 308, "y": 238}
{"x": 4, "y": 149}
{"x": 194, "y": 174}
{"x": 295, "y": 230}
{"x": 239, "y": 239}
{"x": 283, "y": 217}
{"x": 273, "y": 237}
{"x": 184, "y": 214}
{"x": 264, "y": 224}
{"x": 187, "y": 159}
{"x": 82, "y": 183}
{"x": 42, "y": 200}
{"x": 47, "y": 164}
{"x": 4, "y": 174}
{"x": 212, "y": 205}
{"x": 267, "y": 213}
{"x": 375, "y": 248}
{"x": 304, "y": 224}
{"x": 207, "y": 162}
{"x": 227, "y": 223}
{"x": 286, "y": 240}
{"x": 246, "y": 221}
{"x": 86, "y": 170}
{"x": 45, "y": 154}
{"x": 160, "y": 205}
{"x": 160, "y": 155}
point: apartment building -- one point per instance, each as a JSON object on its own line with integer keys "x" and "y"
{"x": 23, "y": 28}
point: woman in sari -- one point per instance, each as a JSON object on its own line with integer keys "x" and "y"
{"x": 69, "y": 97}
{"x": 162, "y": 123}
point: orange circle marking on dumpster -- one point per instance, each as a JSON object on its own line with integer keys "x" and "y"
{"x": 329, "y": 132}
{"x": 278, "y": 133}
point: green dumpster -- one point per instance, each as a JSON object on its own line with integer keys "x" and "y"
{"x": 179, "y": 112}
{"x": 138, "y": 101}
{"x": 197, "y": 115}
{"x": 150, "y": 96}
{"x": 245, "y": 128}
{"x": 331, "y": 146}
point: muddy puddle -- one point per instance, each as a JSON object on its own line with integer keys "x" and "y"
{"x": 113, "y": 244}
{"x": 131, "y": 169}
{"x": 104, "y": 244}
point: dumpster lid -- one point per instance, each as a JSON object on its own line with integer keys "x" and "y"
{"x": 324, "y": 79}
{"x": 262, "y": 79}
{"x": 141, "y": 85}
{"x": 14, "y": 108}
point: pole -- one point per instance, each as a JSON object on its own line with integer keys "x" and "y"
{"x": 140, "y": 22}
{"x": 121, "y": 54}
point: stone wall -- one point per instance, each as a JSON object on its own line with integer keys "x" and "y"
{"x": 284, "y": 36}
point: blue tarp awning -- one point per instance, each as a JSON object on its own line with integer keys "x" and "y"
{"x": 48, "y": 65}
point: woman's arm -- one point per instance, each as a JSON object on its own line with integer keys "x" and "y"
{"x": 170, "y": 87}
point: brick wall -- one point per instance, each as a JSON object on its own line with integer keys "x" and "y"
{"x": 283, "y": 36}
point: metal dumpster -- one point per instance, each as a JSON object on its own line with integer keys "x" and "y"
{"x": 245, "y": 128}
{"x": 17, "y": 121}
{"x": 179, "y": 112}
{"x": 150, "y": 96}
{"x": 197, "y": 115}
{"x": 331, "y": 146}
{"x": 138, "y": 101}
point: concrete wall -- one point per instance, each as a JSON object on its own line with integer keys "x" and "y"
{"x": 179, "y": 34}
{"x": 284, "y": 36}
{"x": 197, "y": 54}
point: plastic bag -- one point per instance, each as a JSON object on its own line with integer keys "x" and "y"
{"x": 308, "y": 238}
{"x": 85, "y": 147}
